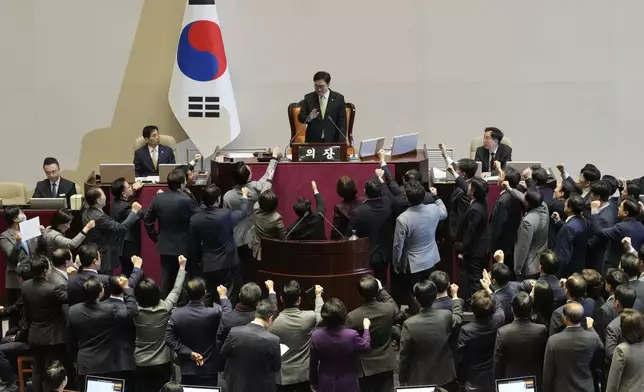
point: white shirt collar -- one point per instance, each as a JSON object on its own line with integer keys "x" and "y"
{"x": 90, "y": 270}
{"x": 57, "y": 183}
{"x": 64, "y": 273}
{"x": 326, "y": 95}
{"x": 115, "y": 297}
{"x": 569, "y": 218}
{"x": 256, "y": 323}
{"x": 152, "y": 149}
{"x": 495, "y": 150}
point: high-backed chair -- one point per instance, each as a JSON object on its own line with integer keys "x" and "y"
{"x": 478, "y": 142}
{"x": 13, "y": 193}
{"x": 294, "y": 122}
{"x": 166, "y": 140}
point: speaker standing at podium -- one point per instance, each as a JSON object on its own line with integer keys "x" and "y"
{"x": 323, "y": 109}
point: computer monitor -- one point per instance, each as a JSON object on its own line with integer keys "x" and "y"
{"x": 520, "y": 166}
{"x": 164, "y": 170}
{"x": 370, "y": 147}
{"x": 424, "y": 388}
{"x": 404, "y": 144}
{"x": 47, "y": 203}
{"x": 519, "y": 384}
{"x": 112, "y": 171}
{"x": 192, "y": 388}
{"x": 104, "y": 384}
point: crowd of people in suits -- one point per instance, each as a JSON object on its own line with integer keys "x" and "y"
{"x": 561, "y": 301}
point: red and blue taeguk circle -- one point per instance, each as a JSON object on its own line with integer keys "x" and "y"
{"x": 200, "y": 53}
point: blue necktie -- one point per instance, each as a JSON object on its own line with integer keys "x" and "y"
{"x": 25, "y": 246}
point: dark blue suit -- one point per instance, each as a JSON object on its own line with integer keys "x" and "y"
{"x": 558, "y": 293}
{"x": 626, "y": 228}
{"x": 504, "y": 296}
{"x": 572, "y": 242}
{"x": 192, "y": 329}
{"x": 598, "y": 245}
{"x": 143, "y": 165}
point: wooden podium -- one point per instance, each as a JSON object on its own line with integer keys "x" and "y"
{"x": 337, "y": 266}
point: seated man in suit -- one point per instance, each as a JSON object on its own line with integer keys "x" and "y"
{"x": 148, "y": 158}
{"x": 492, "y": 150}
{"x": 309, "y": 225}
{"x": 54, "y": 185}
{"x": 572, "y": 355}
{"x": 324, "y": 111}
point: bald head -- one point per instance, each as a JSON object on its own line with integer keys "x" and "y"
{"x": 573, "y": 314}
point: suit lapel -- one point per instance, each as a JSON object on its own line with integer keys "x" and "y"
{"x": 148, "y": 157}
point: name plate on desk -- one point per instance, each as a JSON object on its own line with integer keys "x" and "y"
{"x": 319, "y": 152}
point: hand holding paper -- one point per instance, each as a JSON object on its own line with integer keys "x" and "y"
{"x": 30, "y": 229}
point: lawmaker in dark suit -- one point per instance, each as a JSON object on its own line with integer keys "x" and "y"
{"x": 148, "y": 158}
{"x": 628, "y": 226}
{"x": 173, "y": 210}
{"x": 572, "y": 239}
{"x": 507, "y": 290}
{"x": 106, "y": 230}
{"x": 251, "y": 346}
{"x": 426, "y": 355}
{"x": 323, "y": 110}
{"x": 371, "y": 220}
{"x": 43, "y": 303}
{"x": 376, "y": 365}
{"x": 343, "y": 211}
{"x": 575, "y": 288}
{"x": 472, "y": 239}
{"x": 463, "y": 171}
{"x": 190, "y": 334}
{"x": 213, "y": 242}
{"x": 563, "y": 191}
{"x": 96, "y": 333}
{"x": 128, "y": 244}
{"x": 506, "y": 217}
{"x": 54, "y": 185}
{"x": 603, "y": 217}
{"x": 572, "y": 355}
{"x": 492, "y": 150}
{"x": 608, "y": 312}
{"x": 626, "y": 369}
{"x": 475, "y": 353}
{"x": 310, "y": 224}
{"x": 520, "y": 345}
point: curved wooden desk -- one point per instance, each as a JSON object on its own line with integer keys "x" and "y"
{"x": 335, "y": 265}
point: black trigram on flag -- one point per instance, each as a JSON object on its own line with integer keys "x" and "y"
{"x": 203, "y": 106}
{"x": 201, "y": 2}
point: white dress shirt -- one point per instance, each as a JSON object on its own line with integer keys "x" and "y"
{"x": 325, "y": 98}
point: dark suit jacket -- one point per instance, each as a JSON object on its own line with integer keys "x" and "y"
{"x": 445, "y": 303}
{"x": 460, "y": 203}
{"x": 556, "y": 205}
{"x": 504, "y": 296}
{"x": 236, "y": 318}
{"x": 251, "y": 347}
{"x": 572, "y": 241}
{"x": 383, "y": 313}
{"x": 504, "y": 223}
{"x": 143, "y": 165}
{"x": 105, "y": 233}
{"x": 75, "y": 284}
{"x": 503, "y": 155}
{"x": 213, "y": 243}
{"x": 638, "y": 286}
{"x": 372, "y": 219}
{"x": 558, "y": 293}
{"x": 342, "y": 214}
{"x": 603, "y": 316}
{"x": 335, "y": 109}
{"x": 191, "y": 329}
{"x": 519, "y": 350}
{"x": 44, "y": 312}
{"x": 475, "y": 353}
{"x": 598, "y": 245}
{"x": 119, "y": 212}
{"x": 100, "y": 335}
{"x": 311, "y": 227}
{"x": 472, "y": 239}
{"x": 570, "y": 360}
{"x": 399, "y": 203}
{"x": 557, "y": 325}
{"x": 173, "y": 210}
{"x": 626, "y": 228}
{"x": 65, "y": 187}
{"x": 426, "y": 355}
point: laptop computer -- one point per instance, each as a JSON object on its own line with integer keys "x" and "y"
{"x": 370, "y": 147}
{"x": 104, "y": 384}
{"x": 404, "y": 144}
{"x": 48, "y": 203}
{"x": 424, "y": 388}
{"x": 518, "y": 384}
{"x": 192, "y": 388}
{"x": 520, "y": 166}
{"x": 164, "y": 170}
{"x": 112, "y": 171}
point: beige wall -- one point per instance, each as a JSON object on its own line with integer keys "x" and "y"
{"x": 80, "y": 78}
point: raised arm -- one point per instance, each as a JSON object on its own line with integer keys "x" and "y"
{"x": 258, "y": 185}
{"x": 319, "y": 201}
{"x": 174, "y": 295}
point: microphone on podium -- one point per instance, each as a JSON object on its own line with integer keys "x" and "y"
{"x": 344, "y": 238}
{"x": 298, "y": 222}
{"x": 353, "y": 157}
{"x": 299, "y": 129}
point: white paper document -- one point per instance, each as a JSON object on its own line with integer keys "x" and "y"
{"x": 283, "y": 349}
{"x": 30, "y": 228}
